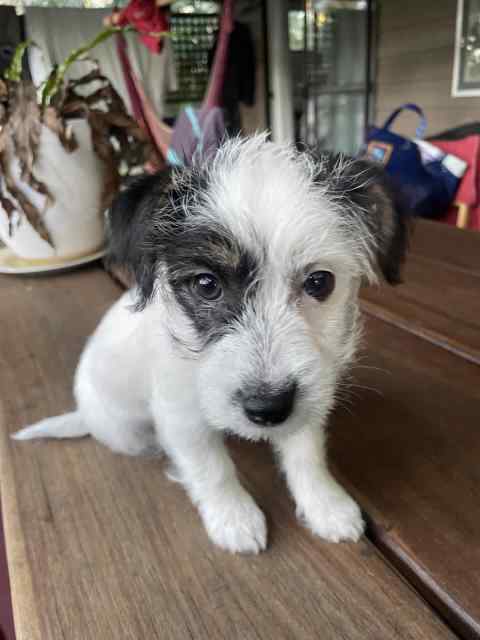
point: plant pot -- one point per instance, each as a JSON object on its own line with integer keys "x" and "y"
{"x": 74, "y": 220}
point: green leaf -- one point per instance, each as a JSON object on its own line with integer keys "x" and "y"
{"x": 57, "y": 77}
{"x": 14, "y": 71}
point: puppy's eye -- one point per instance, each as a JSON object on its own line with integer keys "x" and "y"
{"x": 207, "y": 286}
{"x": 319, "y": 284}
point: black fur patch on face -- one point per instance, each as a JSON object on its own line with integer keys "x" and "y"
{"x": 144, "y": 220}
{"x": 154, "y": 223}
{"x": 203, "y": 249}
{"x": 364, "y": 189}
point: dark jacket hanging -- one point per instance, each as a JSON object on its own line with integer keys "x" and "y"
{"x": 239, "y": 84}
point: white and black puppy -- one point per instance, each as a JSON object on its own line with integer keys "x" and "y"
{"x": 243, "y": 320}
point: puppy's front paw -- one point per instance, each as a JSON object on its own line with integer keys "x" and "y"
{"x": 235, "y": 523}
{"x": 335, "y": 517}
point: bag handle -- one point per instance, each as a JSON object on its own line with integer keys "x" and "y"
{"x": 411, "y": 107}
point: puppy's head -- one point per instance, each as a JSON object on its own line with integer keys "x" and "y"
{"x": 254, "y": 261}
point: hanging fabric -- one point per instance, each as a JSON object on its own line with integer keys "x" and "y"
{"x": 141, "y": 106}
{"x": 240, "y": 75}
{"x": 196, "y": 132}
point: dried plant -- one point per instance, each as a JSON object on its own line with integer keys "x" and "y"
{"x": 116, "y": 138}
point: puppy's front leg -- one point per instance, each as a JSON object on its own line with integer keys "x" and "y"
{"x": 322, "y": 504}
{"x": 231, "y": 517}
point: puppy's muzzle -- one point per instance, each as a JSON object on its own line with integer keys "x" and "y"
{"x": 266, "y": 407}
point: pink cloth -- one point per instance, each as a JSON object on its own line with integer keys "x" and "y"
{"x": 143, "y": 110}
{"x": 197, "y": 134}
{"x": 213, "y": 97}
{"x": 182, "y": 140}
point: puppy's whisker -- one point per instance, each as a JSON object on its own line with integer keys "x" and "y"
{"x": 367, "y": 388}
{"x": 372, "y": 368}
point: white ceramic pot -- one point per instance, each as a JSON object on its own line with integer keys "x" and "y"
{"x": 74, "y": 221}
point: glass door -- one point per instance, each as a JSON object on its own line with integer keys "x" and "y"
{"x": 330, "y": 48}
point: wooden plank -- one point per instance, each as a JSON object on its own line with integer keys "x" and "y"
{"x": 435, "y": 64}
{"x": 392, "y": 30}
{"x": 408, "y": 449}
{"x": 436, "y": 302}
{"x": 104, "y": 546}
{"x": 443, "y": 243}
{"x": 428, "y": 92}
{"x": 416, "y": 39}
{"x": 428, "y": 325}
{"x": 398, "y": 15}
{"x": 415, "y": 63}
{"x": 439, "y": 299}
{"x": 430, "y": 95}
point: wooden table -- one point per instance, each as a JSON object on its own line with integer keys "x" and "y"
{"x": 102, "y": 546}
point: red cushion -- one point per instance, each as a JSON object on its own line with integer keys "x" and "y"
{"x": 468, "y": 193}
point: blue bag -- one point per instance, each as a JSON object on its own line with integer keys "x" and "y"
{"x": 426, "y": 178}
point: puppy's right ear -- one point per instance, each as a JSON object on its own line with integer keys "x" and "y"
{"x": 373, "y": 199}
{"x": 371, "y": 204}
{"x": 131, "y": 219}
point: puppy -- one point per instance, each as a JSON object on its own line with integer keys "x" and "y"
{"x": 244, "y": 318}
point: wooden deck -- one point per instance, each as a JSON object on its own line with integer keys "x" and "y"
{"x": 102, "y": 546}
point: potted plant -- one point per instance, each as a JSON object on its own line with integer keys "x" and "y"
{"x": 63, "y": 147}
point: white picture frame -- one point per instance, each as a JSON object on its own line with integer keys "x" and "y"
{"x": 466, "y": 64}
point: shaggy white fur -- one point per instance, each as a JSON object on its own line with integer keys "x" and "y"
{"x": 177, "y": 374}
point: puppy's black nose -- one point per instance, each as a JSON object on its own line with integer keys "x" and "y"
{"x": 267, "y": 408}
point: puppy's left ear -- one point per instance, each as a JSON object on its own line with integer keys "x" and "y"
{"x": 136, "y": 211}
{"x": 369, "y": 197}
